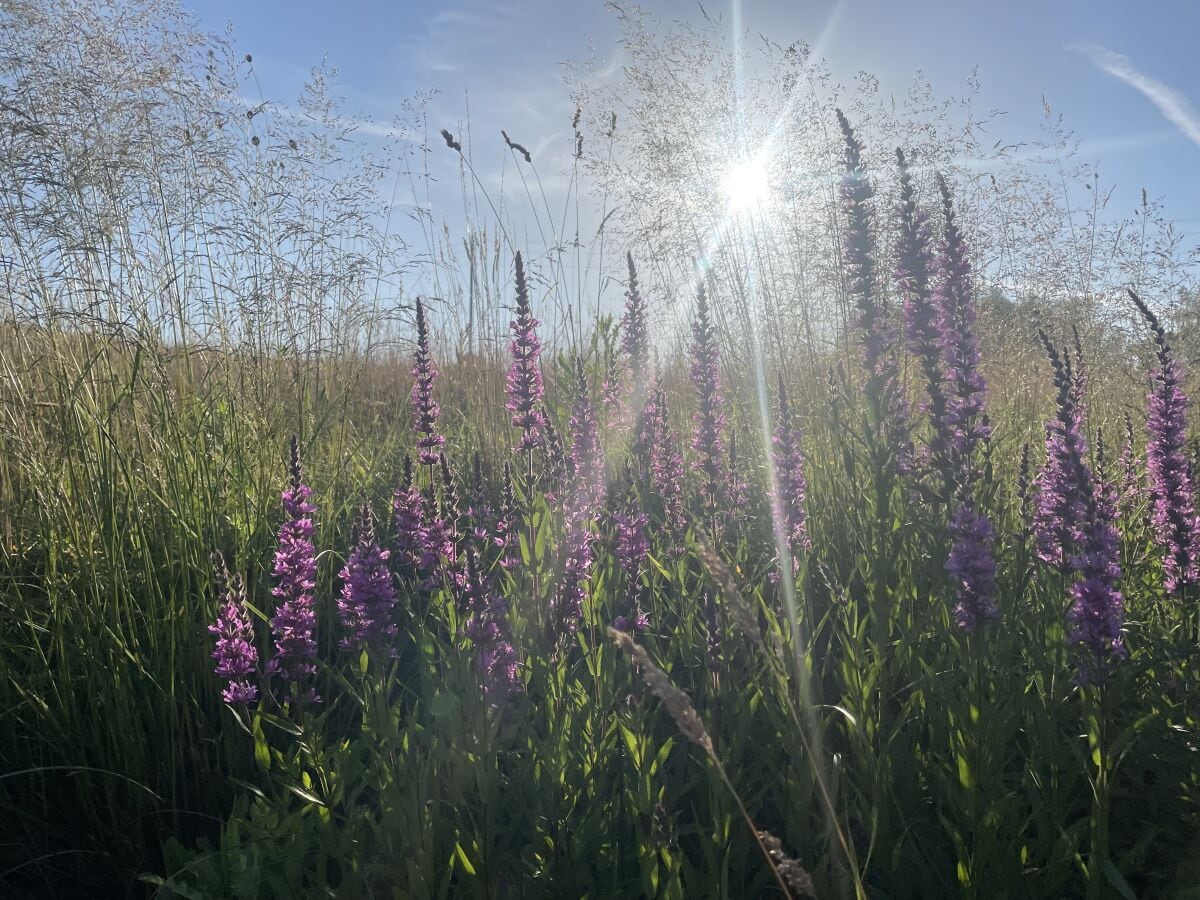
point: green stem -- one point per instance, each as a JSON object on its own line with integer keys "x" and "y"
{"x": 1098, "y": 821}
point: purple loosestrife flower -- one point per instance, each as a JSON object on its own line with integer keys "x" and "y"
{"x": 576, "y": 571}
{"x": 1131, "y": 475}
{"x": 708, "y": 435}
{"x": 789, "y": 492}
{"x": 524, "y": 384}
{"x": 972, "y": 567}
{"x": 922, "y": 322}
{"x": 956, "y": 405}
{"x": 666, "y": 464}
{"x": 478, "y": 519}
{"x": 437, "y": 538}
{"x": 1172, "y": 486}
{"x": 632, "y": 548}
{"x": 1062, "y": 485}
{"x": 408, "y": 516}
{"x": 450, "y": 506}
{"x": 1104, "y": 486}
{"x": 557, "y": 461}
{"x": 584, "y": 495}
{"x": 639, "y": 621}
{"x": 643, "y": 433}
{"x": 612, "y": 396}
{"x": 888, "y": 410}
{"x": 295, "y": 581}
{"x": 235, "y": 652}
{"x": 634, "y": 334}
{"x": 429, "y": 442}
{"x": 509, "y": 525}
{"x": 1097, "y": 611}
{"x": 1075, "y": 509}
{"x": 739, "y": 489}
{"x": 587, "y": 457}
{"x": 1024, "y": 492}
{"x": 487, "y": 627}
{"x": 442, "y": 533}
{"x": 966, "y": 421}
{"x": 368, "y": 595}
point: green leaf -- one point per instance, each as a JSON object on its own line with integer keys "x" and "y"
{"x": 965, "y": 778}
{"x": 262, "y": 751}
{"x": 632, "y": 743}
{"x": 444, "y": 705}
{"x": 462, "y": 858}
{"x": 1117, "y": 880}
{"x": 305, "y": 794}
{"x": 849, "y": 716}
{"x": 247, "y": 786}
{"x": 661, "y": 570}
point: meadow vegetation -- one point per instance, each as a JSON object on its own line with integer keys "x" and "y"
{"x": 840, "y": 541}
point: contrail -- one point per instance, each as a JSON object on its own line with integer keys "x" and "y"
{"x": 1170, "y": 102}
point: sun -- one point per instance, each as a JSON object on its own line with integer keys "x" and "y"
{"x": 746, "y": 185}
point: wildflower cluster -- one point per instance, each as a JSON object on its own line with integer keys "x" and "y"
{"x": 708, "y": 428}
{"x": 295, "y": 619}
{"x": 525, "y": 388}
{"x": 1172, "y": 484}
{"x": 368, "y": 594}
{"x": 790, "y": 490}
{"x": 235, "y": 653}
{"x": 1075, "y": 528}
{"x": 429, "y": 442}
{"x": 888, "y": 410}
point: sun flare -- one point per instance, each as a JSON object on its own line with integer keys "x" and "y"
{"x": 746, "y": 185}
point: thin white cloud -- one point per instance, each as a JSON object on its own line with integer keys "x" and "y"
{"x": 1172, "y": 104}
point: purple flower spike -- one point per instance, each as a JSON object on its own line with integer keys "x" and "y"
{"x": 790, "y": 492}
{"x": 437, "y": 538}
{"x": 1094, "y": 623}
{"x": 1075, "y": 531}
{"x": 634, "y": 334}
{"x": 658, "y": 448}
{"x": 922, "y": 322}
{"x": 972, "y": 566}
{"x": 888, "y": 409}
{"x": 708, "y": 434}
{"x": 632, "y": 548}
{"x": 1062, "y": 486}
{"x": 1097, "y": 611}
{"x": 524, "y": 384}
{"x": 579, "y": 542}
{"x": 613, "y": 399}
{"x": 508, "y": 527}
{"x": 579, "y": 511}
{"x": 1176, "y": 526}
{"x": 965, "y": 418}
{"x": 235, "y": 652}
{"x": 487, "y": 627}
{"x": 295, "y": 573}
{"x": 409, "y": 518}
{"x": 739, "y": 488}
{"x": 368, "y": 596}
{"x": 429, "y": 442}
{"x": 587, "y": 457}
{"x": 479, "y": 522}
{"x": 1131, "y": 475}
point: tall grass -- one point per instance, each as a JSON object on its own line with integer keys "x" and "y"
{"x": 195, "y": 273}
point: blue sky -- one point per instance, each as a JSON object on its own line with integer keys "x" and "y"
{"x": 1122, "y": 75}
